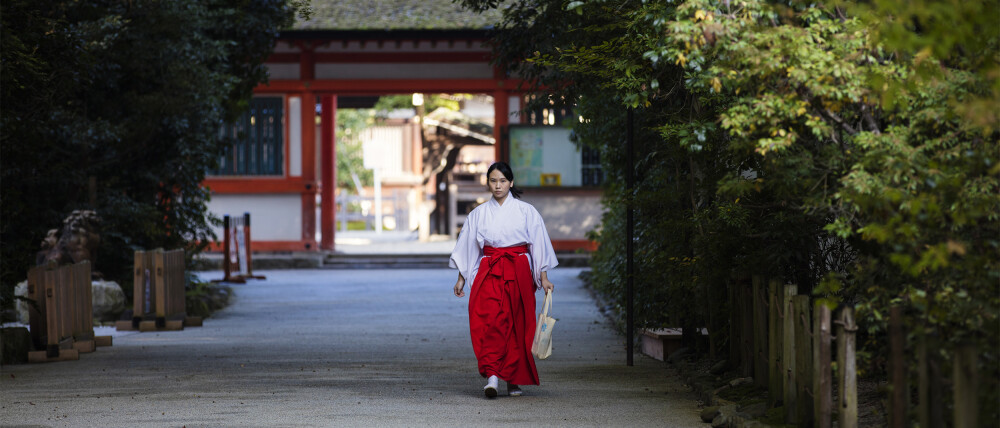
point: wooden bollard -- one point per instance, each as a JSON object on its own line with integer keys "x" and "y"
{"x": 788, "y": 354}
{"x": 803, "y": 361}
{"x": 822, "y": 376}
{"x": 847, "y": 415}
{"x": 898, "y": 402}
{"x": 774, "y": 351}
{"x": 760, "y": 349}
{"x": 966, "y": 369}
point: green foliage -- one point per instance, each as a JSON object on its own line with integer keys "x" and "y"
{"x": 131, "y": 94}
{"x": 850, "y": 149}
{"x": 350, "y": 159}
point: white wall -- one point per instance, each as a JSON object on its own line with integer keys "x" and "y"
{"x": 567, "y": 217}
{"x": 273, "y": 217}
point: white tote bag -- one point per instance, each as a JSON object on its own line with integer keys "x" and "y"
{"x": 541, "y": 347}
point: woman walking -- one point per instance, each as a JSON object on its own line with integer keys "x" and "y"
{"x": 505, "y": 249}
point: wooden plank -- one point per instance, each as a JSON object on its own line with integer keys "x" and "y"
{"x": 84, "y": 346}
{"x": 64, "y": 355}
{"x": 788, "y": 354}
{"x": 36, "y": 312}
{"x": 160, "y": 286}
{"x": 88, "y": 299}
{"x": 898, "y": 402}
{"x": 52, "y": 319}
{"x": 140, "y": 290}
{"x": 105, "y": 340}
{"x": 760, "y": 349}
{"x": 847, "y": 415}
{"x": 168, "y": 325}
{"x": 192, "y": 321}
{"x": 83, "y": 328}
{"x": 174, "y": 325}
{"x": 775, "y": 393}
{"x": 803, "y": 361}
{"x": 124, "y": 325}
{"x": 966, "y": 386}
{"x": 64, "y": 291}
{"x": 822, "y": 376}
{"x": 179, "y": 309}
{"x": 147, "y": 325}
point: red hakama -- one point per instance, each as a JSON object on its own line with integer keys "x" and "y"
{"x": 502, "y": 315}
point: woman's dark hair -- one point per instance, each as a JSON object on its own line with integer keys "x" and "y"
{"x": 508, "y": 174}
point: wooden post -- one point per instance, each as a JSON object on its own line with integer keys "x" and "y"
{"x": 734, "y": 324}
{"x": 775, "y": 324}
{"x": 227, "y": 244}
{"x": 966, "y": 368}
{"x": 822, "y": 377}
{"x": 747, "y": 325}
{"x": 140, "y": 288}
{"x": 897, "y": 369}
{"x": 249, "y": 247}
{"x": 936, "y": 391}
{"x": 760, "y": 349}
{"x": 930, "y": 402}
{"x": 788, "y": 354}
{"x": 847, "y": 416}
{"x": 923, "y": 382}
{"x": 160, "y": 288}
{"x": 803, "y": 361}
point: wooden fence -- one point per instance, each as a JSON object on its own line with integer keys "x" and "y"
{"x": 789, "y": 343}
{"x": 62, "y": 317}
{"x": 158, "y": 292}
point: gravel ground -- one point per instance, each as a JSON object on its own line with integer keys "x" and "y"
{"x": 346, "y": 348}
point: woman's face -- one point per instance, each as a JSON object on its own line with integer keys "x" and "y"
{"x": 499, "y": 185}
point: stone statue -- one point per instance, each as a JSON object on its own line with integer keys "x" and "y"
{"x": 77, "y": 241}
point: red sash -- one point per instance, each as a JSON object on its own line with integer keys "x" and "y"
{"x": 502, "y": 315}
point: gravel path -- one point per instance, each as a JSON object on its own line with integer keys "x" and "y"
{"x": 346, "y": 348}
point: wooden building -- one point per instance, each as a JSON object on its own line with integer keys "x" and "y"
{"x": 349, "y": 52}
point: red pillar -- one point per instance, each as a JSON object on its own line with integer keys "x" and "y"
{"x": 307, "y": 67}
{"x": 309, "y": 170}
{"x": 501, "y": 107}
{"x": 328, "y": 175}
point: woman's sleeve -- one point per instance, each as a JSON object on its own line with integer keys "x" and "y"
{"x": 543, "y": 257}
{"x": 467, "y": 252}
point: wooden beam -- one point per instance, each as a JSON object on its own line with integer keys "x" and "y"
{"x": 256, "y": 185}
{"x": 389, "y": 86}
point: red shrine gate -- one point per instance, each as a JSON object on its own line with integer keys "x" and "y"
{"x": 316, "y": 67}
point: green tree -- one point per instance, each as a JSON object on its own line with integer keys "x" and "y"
{"x": 133, "y": 95}
{"x": 350, "y": 159}
{"x": 851, "y": 149}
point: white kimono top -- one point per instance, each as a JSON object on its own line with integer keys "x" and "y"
{"x": 511, "y": 224}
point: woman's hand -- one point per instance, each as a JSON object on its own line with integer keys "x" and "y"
{"x": 546, "y": 284}
{"x": 460, "y": 286}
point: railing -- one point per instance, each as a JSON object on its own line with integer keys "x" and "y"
{"x": 61, "y": 317}
{"x": 786, "y": 342}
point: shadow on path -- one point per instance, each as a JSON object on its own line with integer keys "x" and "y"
{"x": 346, "y": 348}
